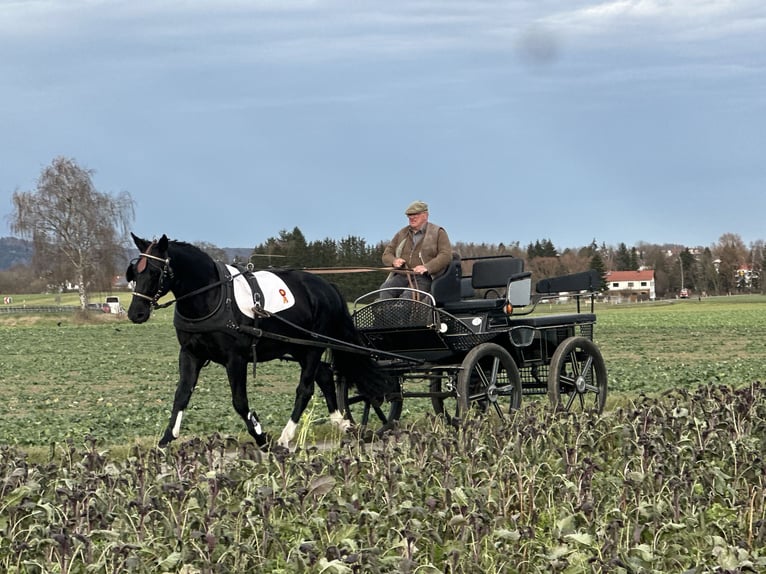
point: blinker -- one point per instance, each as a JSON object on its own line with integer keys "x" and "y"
{"x": 144, "y": 258}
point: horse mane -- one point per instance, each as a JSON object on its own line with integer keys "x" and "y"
{"x": 178, "y": 243}
{"x": 189, "y": 246}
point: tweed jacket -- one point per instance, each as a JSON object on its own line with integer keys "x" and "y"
{"x": 433, "y": 250}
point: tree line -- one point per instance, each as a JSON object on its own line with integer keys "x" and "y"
{"x": 80, "y": 238}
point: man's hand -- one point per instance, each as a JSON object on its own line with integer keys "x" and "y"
{"x": 420, "y": 269}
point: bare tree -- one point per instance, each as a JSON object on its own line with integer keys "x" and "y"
{"x": 213, "y": 250}
{"x": 731, "y": 254}
{"x": 78, "y": 233}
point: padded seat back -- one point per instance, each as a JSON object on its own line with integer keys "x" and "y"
{"x": 495, "y": 272}
{"x": 445, "y": 288}
{"x": 584, "y": 281}
{"x": 466, "y": 289}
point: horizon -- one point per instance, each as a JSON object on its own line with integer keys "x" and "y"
{"x": 522, "y": 246}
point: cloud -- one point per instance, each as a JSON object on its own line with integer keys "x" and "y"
{"x": 674, "y": 19}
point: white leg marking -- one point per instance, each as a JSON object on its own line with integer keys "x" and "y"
{"x": 256, "y": 425}
{"x": 336, "y": 418}
{"x": 177, "y": 426}
{"x": 288, "y": 433}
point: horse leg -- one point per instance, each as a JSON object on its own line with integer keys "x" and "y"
{"x": 189, "y": 367}
{"x": 326, "y": 383}
{"x": 303, "y": 393}
{"x": 237, "y": 373}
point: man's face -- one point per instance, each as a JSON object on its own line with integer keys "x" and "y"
{"x": 417, "y": 220}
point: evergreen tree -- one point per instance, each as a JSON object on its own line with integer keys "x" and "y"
{"x": 622, "y": 259}
{"x": 544, "y": 248}
{"x": 597, "y": 264}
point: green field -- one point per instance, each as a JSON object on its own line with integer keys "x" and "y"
{"x": 670, "y": 478}
{"x": 64, "y": 377}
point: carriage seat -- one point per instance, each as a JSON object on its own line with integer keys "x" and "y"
{"x": 505, "y": 276}
{"x": 494, "y": 272}
{"x": 466, "y": 289}
{"x": 584, "y": 281}
{"x": 446, "y": 286}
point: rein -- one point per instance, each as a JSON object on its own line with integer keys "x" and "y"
{"x": 340, "y": 270}
{"x": 167, "y": 271}
{"x": 196, "y": 291}
{"x": 319, "y": 340}
{"x": 315, "y": 339}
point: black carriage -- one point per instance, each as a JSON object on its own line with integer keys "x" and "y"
{"x": 473, "y": 344}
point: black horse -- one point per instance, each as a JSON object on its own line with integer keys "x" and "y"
{"x": 289, "y": 314}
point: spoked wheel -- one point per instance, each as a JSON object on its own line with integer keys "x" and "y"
{"x": 488, "y": 382}
{"x": 577, "y": 376}
{"x": 366, "y": 415}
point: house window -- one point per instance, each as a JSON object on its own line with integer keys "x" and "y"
{"x": 643, "y": 283}
{"x": 630, "y": 284}
{"x": 615, "y": 285}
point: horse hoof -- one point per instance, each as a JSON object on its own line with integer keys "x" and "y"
{"x": 366, "y": 435}
{"x": 279, "y": 450}
{"x": 389, "y": 426}
{"x": 264, "y": 442}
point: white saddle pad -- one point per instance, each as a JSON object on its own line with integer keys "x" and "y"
{"x": 276, "y": 294}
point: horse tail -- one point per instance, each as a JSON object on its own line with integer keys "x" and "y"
{"x": 362, "y": 372}
{"x": 360, "y": 369}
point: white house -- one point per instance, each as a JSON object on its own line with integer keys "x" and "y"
{"x": 631, "y": 285}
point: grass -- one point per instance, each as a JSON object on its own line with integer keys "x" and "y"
{"x": 669, "y": 479}
{"x": 69, "y": 298}
{"x": 70, "y": 375}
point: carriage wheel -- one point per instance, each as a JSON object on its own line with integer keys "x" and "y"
{"x": 489, "y": 381}
{"x": 577, "y": 376}
{"x": 358, "y": 408}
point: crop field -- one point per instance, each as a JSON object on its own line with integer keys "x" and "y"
{"x": 669, "y": 478}
{"x": 64, "y": 377}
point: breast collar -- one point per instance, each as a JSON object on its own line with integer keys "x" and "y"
{"x": 225, "y": 316}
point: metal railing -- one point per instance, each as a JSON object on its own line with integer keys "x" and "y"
{"x": 10, "y": 309}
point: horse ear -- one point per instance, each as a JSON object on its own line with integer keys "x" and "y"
{"x": 162, "y": 244}
{"x": 142, "y": 244}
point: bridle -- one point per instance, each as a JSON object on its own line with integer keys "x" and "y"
{"x": 167, "y": 273}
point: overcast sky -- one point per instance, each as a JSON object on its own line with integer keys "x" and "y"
{"x": 228, "y": 121}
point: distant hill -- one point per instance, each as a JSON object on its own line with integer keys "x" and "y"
{"x": 238, "y": 253}
{"x": 14, "y": 251}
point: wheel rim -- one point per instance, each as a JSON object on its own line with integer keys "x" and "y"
{"x": 577, "y": 376}
{"x": 488, "y": 375}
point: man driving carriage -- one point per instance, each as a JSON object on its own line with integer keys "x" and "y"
{"x": 418, "y": 253}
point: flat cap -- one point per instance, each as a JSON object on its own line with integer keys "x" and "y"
{"x": 416, "y": 207}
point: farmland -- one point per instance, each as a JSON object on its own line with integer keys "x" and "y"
{"x": 669, "y": 478}
{"x": 64, "y": 377}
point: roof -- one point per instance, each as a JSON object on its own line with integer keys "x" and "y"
{"x": 645, "y": 275}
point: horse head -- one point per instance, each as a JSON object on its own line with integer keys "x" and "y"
{"x": 150, "y": 272}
